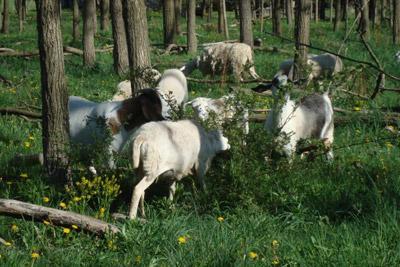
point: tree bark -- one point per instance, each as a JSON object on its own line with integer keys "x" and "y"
{"x": 346, "y": 15}
{"x": 169, "y": 22}
{"x": 276, "y": 17}
{"x": 89, "y": 53}
{"x": 75, "y": 20}
{"x": 372, "y": 12}
{"x": 105, "y": 15}
{"x": 364, "y": 22}
{"x": 55, "y": 125}
{"x": 337, "y": 15}
{"x": 17, "y": 208}
{"x": 210, "y": 10}
{"x": 177, "y": 12}
{"x": 289, "y": 12}
{"x": 138, "y": 42}
{"x": 302, "y": 36}
{"x": 261, "y": 15}
{"x": 316, "y": 11}
{"x": 396, "y": 22}
{"x": 331, "y": 11}
{"x": 120, "y": 50}
{"x": 382, "y": 11}
{"x": 20, "y": 13}
{"x": 222, "y": 19}
{"x": 6, "y": 19}
{"x": 246, "y": 31}
{"x": 191, "y": 27}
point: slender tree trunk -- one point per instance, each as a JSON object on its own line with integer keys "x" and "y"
{"x": 364, "y": 22}
{"x": 331, "y": 11}
{"x": 169, "y": 22}
{"x": 120, "y": 50}
{"x": 95, "y": 17}
{"x": 246, "y": 31}
{"x": 396, "y": 22}
{"x": 276, "y": 17}
{"x": 225, "y": 18}
{"x": 75, "y": 20}
{"x": 20, "y": 15}
{"x": 346, "y": 15}
{"x": 322, "y": 8}
{"x": 210, "y": 10}
{"x": 372, "y": 12}
{"x": 24, "y": 10}
{"x": 316, "y": 11}
{"x": 383, "y": 8}
{"x": 89, "y": 53}
{"x": 178, "y": 9}
{"x": 261, "y": 15}
{"x": 105, "y": 15}
{"x": 289, "y": 12}
{"x": 55, "y": 125}
{"x": 138, "y": 42}
{"x": 6, "y": 19}
{"x": 203, "y": 8}
{"x": 390, "y": 3}
{"x": 302, "y": 36}
{"x": 191, "y": 27}
{"x": 337, "y": 15}
{"x": 222, "y": 19}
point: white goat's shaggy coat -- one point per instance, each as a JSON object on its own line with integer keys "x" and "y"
{"x": 312, "y": 117}
{"x": 221, "y": 58}
{"x": 172, "y": 150}
{"x": 223, "y": 110}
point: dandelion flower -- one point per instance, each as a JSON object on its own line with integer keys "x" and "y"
{"x": 27, "y": 144}
{"x": 77, "y": 199}
{"x": 31, "y": 137}
{"x": 102, "y": 210}
{"x": 275, "y": 243}
{"x": 74, "y": 227}
{"x": 389, "y": 145}
{"x": 7, "y": 244}
{"x": 66, "y": 230}
{"x": 138, "y": 259}
{"x": 14, "y": 228}
{"x": 275, "y": 261}
{"x": 23, "y": 175}
{"x": 220, "y": 219}
{"x": 253, "y": 255}
{"x": 357, "y": 109}
{"x": 35, "y": 255}
{"x": 46, "y": 199}
{"x": 46, "y": 222}
{"x": 63, "y": 205}
{"x": 182, "y": 240}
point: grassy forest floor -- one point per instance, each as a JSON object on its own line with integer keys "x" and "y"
{"x": 309, "y": 213}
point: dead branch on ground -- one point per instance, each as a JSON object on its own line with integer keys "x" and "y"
{"x": 19, "y": 112}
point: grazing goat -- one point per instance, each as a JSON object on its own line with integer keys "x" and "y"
{"x": 90, "y": 122}
{"x": 311, "y": 118}
{"x": 321, "y": 65}
{"x": 221, "y": 58}
{"x": 223, "y": 109}
{"x": 172, "y": 150}
{"x": 171, "y": 88}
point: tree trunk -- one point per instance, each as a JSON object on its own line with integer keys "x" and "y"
{"x": 372, "y": 12}
{"x": 55, "y": 125}
{"x": 75, "y": 20}
{"x": 396, "y": 22}
{"x": 261, "y": 16}
{"x": 210, "y": 10}
{"x": 222, "y": 19}
{"x": 104, "y": 15}
{"x": 203, "y": 8}
{"x": 89, "y": 53}
{"x": 382, "y": 11}
{"x": 331, "y": 11}
{"x": 120, "y": 49}
{"x": 364, "y": 22}
{"x": 322, "y": 8}
{"x": 138, "y": 42}
{"x": 316, "y": 11}
{"x": 276, "y": 17}
{"x": 169, "y": 22}
{"x": 6, "y": 19}
{"x": 346, "y": 15}
{"x": 246, "y": 31}
{"x": 20, "y": 15}
{"x": 191, "y": 27}
{"x": 302, "y": 36}
{"x": 337, "y": 15}
{"x": 178, "y": 10}
{"x": 289, "y": 12}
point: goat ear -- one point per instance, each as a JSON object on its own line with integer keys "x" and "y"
{"x": 151, "y": 108}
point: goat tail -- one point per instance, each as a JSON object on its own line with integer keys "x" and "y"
{"x": 136, "y": 151}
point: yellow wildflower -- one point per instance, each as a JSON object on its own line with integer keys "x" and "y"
{"x": 66, "y": 230}
{"x": 27, "y": 144}
{"x": 76, "y": 199}
{"x": 7, "y": 244}
{"x": 182, "y": 240}
{"x": 14, "y": 228}
{"x": 63, "y": 205}
{"x": 102, "y": 210}
{"x": 46, "y": 222}
{"x": 35, "y": 255}
{"x": 389, "y": 145}
{"x": 220, "y": 219}
{"x": 46, "y": 199}
{"x": 23, "y": 175}
{"x": 357, "y": 109}
{"x": 275, "y": 243}
{"x": 31, "y": 137}
{"x": 275, "y": 261}
{"x": 74, "y": 227}
{"x": 138, "y": 259}
{"x": 13, "y": 90}
{"x": 253, "y": 255}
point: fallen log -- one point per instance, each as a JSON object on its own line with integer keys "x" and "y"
{"x": 227, "y": 81}
{"x": 16, "y": 208}
{"x": 73, "y": 50}
{"x": 19, "y": 112}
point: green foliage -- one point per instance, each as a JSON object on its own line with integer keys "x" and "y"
{"x": 259, "y": 210}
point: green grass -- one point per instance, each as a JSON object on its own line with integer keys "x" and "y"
{"x": 343, "y": 213}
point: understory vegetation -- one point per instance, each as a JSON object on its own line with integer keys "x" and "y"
{"x": 258, "y": 210}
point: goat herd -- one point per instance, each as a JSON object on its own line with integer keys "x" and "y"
{"x": 171, "y": 150}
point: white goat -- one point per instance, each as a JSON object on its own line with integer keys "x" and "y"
{"x": 91, "y": 122}
{"x": 172, "y": 150}
{"x": 171, "y": 87}
{"x": 221, "y": 58}
{"x": 321, "y": 65}
{"x": 222, "y": 108}
{"x": 311, "y": 118}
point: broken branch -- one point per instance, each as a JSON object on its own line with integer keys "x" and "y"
{"x": 19, "y": 112}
